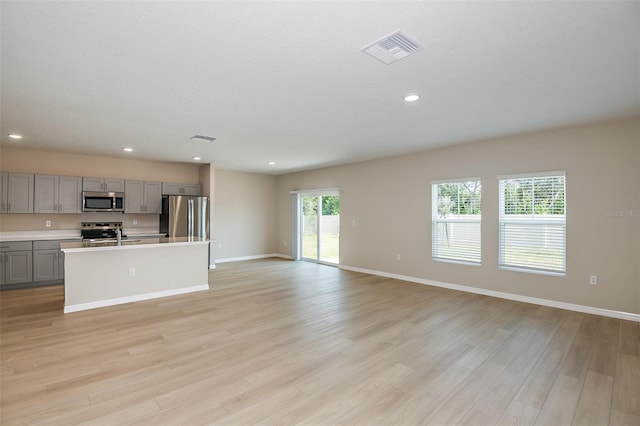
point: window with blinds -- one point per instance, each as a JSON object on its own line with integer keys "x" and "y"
{"x": 532, "y": 220}
{"x": 456, "y": 220}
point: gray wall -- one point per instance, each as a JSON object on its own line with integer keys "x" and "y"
{"x": 389, "y": 200}
{"x": 245, "y": 215}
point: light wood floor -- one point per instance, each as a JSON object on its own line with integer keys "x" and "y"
{"x": 277, "y": 342}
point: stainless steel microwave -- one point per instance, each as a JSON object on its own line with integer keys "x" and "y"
{"x": 102, "y": 201}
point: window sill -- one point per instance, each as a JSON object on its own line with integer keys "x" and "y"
{"x": 457, "y": 262}
{"x": 533, "y": 271}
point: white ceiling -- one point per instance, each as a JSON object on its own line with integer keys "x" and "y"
{"x": 287, "y": 81}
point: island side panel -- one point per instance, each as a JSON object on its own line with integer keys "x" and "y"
{"x": 103, "y": 275}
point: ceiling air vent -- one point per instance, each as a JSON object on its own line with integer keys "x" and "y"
{"x": 202, "y": 138}
{"x": 392, "y": 47}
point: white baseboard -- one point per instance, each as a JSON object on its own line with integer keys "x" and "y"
{"x": 254, "y": 257}
{"x": 544, "y": 302}
{"x": 136, "y": 298}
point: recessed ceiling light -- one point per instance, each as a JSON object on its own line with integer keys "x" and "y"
{"x": 411, "y": 97}
{"x": 197, "y": 158}
{"x": 15, "y": 136}
{"x": 127, "y": 149}
{"x": 271, "y": 163}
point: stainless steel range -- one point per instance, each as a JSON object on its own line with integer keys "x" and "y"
{"x": 98, "y": 232}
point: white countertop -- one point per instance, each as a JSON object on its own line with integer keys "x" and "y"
{"x": 39, "y": 235}
{"x": 130, "y": 243}
{"x": 69, "y": 234}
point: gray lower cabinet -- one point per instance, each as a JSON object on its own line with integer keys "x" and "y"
{"x": 45, "y": 265}
{"x": 16, "y": 262}
{"x": 31, "y": 263}
{"x": 48, "y": 261}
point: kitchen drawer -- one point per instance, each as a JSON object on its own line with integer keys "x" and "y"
{"x": 15, "y": 246}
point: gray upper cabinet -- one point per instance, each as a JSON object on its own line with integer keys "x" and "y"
{"x": 170, "y": 188}
{"x": 192, "y": 189}
{"x": 17, "y": 195}
{"x": 3, "y": 192}
{"x": 134, "y": 196}
{"x": 102, "y": 184}
{"x": 114, "y": 185}
{"x": 57, "y": 194}
{"x": 143, "y": 197}
{"x": 70, "y": 194}
{"x": 46, "y": 190}
{"x": 153, "y": 197}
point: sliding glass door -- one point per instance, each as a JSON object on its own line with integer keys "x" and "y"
{"x": 310, "y": 227}
{"x": 319, "y": 230}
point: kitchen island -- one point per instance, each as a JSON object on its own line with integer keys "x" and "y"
{"x": 112, "y": 273}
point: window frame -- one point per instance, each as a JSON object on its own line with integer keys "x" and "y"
{"x": 532, "y": 221}
{"x": 435, "y": 220}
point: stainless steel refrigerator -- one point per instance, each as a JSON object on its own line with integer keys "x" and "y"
{"x": 185, "y": 216}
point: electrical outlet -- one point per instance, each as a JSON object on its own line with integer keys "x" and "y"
{"x": 219, "y": 245}
{"x": 47, "y": 223}
{"x": 132, "y": 272}
{"x": 593, "y": 279}
{"x": 135, "y": 221}
{"x": 285, "y": 243}
{"x": 353, "y": 222}
{"x": 398, "y": 256}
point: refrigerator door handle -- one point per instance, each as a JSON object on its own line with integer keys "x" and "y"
{"x": 190, "y": 220}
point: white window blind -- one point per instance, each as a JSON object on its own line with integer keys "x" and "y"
{"x": 533, "y": 223}
{"x": 456, "y": 220}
